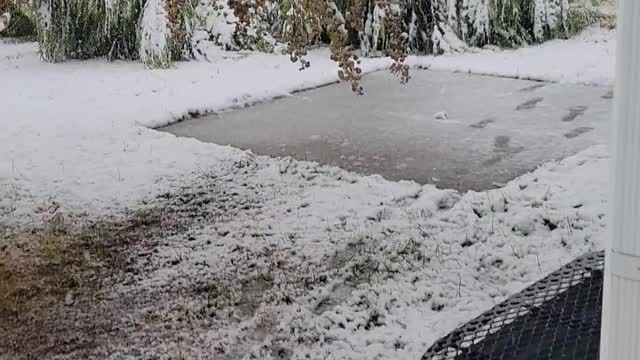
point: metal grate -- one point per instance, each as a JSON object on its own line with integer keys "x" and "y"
{"x": 555, "y": 318}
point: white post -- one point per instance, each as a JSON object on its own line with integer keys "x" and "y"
{"x": 621, "y": 312}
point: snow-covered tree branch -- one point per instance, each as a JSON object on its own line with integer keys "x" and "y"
{"x": 161, "y": 31}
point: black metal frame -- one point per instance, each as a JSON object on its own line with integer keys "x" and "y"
{"x": 556, "y": 318}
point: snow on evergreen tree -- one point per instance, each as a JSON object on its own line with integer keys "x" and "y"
{"x": 155, "y": 35}
{"x": 539, "y": 18}
{"x": 374, "y": 37}
{"x": 14, "y": 19}
{"x": 160, "y": 31}
{"x": 215, "y": 25}
{"x": 122, "y": 28}
{"x": 437, "y": 26}
{"x": 549, "y": 18}
{"x": 478, "y": 17}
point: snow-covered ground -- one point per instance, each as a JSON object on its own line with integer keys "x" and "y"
{"x": 76, "y": 131}
{"x": 359, "y": 268}
{"x": 344, "y": 266}
{"x": 586, "y": 59}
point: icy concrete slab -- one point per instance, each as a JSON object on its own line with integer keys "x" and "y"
{"x": 455, "y": 130}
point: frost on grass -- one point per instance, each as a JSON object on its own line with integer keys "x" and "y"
{"x": 283, "y": 259}
{"x": 54, "y": 279}
{"x": 57, "y": 278}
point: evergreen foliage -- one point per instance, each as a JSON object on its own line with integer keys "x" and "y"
{"x": 20, "y": 24}
{"x": 161, "y": 31}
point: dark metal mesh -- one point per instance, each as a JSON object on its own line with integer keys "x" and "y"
{"x": 555, "y": 318}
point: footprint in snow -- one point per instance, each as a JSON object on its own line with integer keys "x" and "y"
{"x": 502, "y": 142}
{"x": 532, "y": 88}
{"x": 503, "y": 150}
{"x": 494, "y": 160}
{"x": 574, "y": 112}
{"x": 577, "y": 132}
{"x": 482, "y": 123}
{"x": 529, "y": 104}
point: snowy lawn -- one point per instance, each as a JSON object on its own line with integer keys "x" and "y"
{"x": 224, "y": 254}
{"x": 588, "y": 59}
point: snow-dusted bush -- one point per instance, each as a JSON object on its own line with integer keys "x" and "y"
{"x": 157, "y": 32}
{"x": 70, "y": 28}
{"x": 5, "y": 6}
{"x": 512, "y": 22}
{"x": 122, "y": 38}
{"x": 585, "y": 13}
{"x": 20, "y": 24}
{"x": 83, "y": 29}
{"x": 437, "y": 26}
{"x": 160, "y": 31}
{"x": 215, "y": 26}
{"x": 155, "y": 35}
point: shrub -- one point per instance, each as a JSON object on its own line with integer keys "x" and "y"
{"x": 71, "y": 29}
{"x": 161, "y": 31}
{"x": 583, "y": 14}
{"x": 6, "y": 6}
{"x": 155, "y": 35}
{"x": 21, "y": 24}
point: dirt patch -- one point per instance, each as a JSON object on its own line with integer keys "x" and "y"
{"x": 53, "y": 277}
{"x": 57, "y": 278}
{"x": 107, "y": 292}
{"x": 201, "y": 270}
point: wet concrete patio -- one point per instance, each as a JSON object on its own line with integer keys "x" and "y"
{"x": 454, "y": 130}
